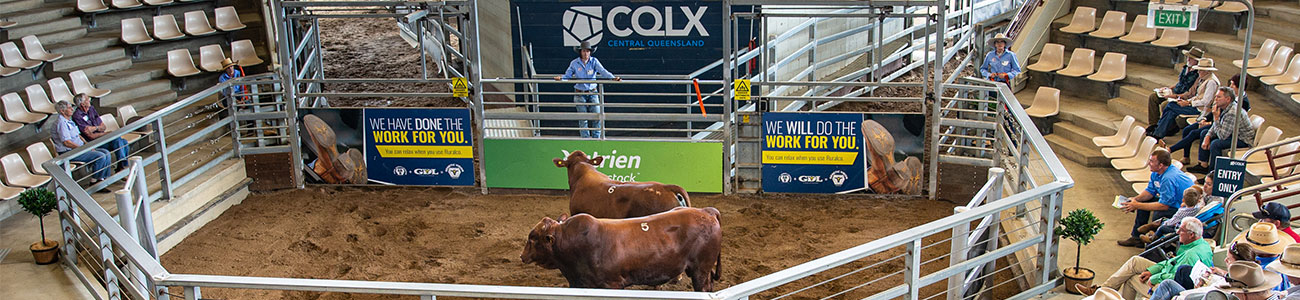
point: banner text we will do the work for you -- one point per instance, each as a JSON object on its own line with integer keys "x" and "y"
{"x": 420, "y": 146}
{"x": 812, "y": 152}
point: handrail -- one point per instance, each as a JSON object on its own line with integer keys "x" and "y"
{"x": 1021, "y": 18}
{"x": 1271, "y": 145}
{"x": 415, "y": 288}
{"x": 1259, "y": 188}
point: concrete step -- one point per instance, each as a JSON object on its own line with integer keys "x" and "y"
{"x": 1134, "y": 107}
{"x": 1134, "y": 92}
{"x": 59, "y": 36}
{"x": 199, "y": 201}
{"x": 1087, "y": 155}
{"x": 102, "y": 67}
{"x": 40, "y": 14}
{"x": 1266, "y": 28}
{"x": 92, "y": 41}
{"x": 158, "y": 100}
{"x": 1148, "y": 76}
{"x": 1287, "y": 12}
{"x": 130, "y": 94}
{"x": 126, "y": 78}
{"x": 104, "y": 54}
{"x": 43, "y": 28}
{"x": 1226, "y": 45}
{"x": 1074, "y": 133}
{"x": 10, "y": 6}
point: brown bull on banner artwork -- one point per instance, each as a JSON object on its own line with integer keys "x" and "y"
{"x": 616, "y": 253}
{"x": 594, "y": 193}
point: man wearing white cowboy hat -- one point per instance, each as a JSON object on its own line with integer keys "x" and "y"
{"x": 1186, "y": 78}
{"x": 1196, "y": 103}
{"x": 586, "y": 67}
{"x": 1000, "y": 64}
{"x": 1267, "y": 242}
{"x": 1248, "y": 281}
{"x": 229, "y": 71}
{"x": 1104, "y": 294}
{"x": 1289, "y": 265}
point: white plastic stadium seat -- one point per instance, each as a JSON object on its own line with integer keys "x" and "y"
{"x": 40, "y": 153}
{"x": 14, "y": 58}
{"x": 1263, "y": 57}
{"x": 165, "y": 27}
{"x": 59, "y": 90}
{"x": 1112, "y": 25}
{"x": 110, "y": 125}
{"x": 7, "y": 127}
{"x": 82, "y": 85}
{"x": 1128, "y": 149}
{"x": 16, "y": 173}
{"x": 210, "y": 57}
{"x": 157, "y": 2}
{"x": 15, "y": 111}
{"x": 196, "y": 23}
{"x": 243, "y": 53}
{"x": 134, "y": 32}
{"x": 126, "y": 3}
{"x": 1121, "y": 135}
{"x": 1084, "y": 20}
{"x": 90, "y": 6}
{"x": 1138, "y": 161}
{"x": 37, "y": 52}
{"x": 180, "y": 64}
{"x": 227, "y": 19}
{"x": 38, "y": 101}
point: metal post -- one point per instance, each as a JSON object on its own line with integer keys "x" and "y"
{"x": 957, "y": 254}
{"x": 126, "y": 217}
{"x": 912, "y": 270}
{"x": 1047, "y": 250}
{"x": 288, "y": 90}
{"x": 165, "y": 166}
{"x": 476, "y": 80}
{"x": 143, "y": 215}
{"x": 428, "y": 297}
{"x": 67, "y": 207}
{"x": 106, "y": 259}
{"x": 937, "y": 93}
{"x": 1241, "y": 86}
{"x": 727, "y": 112}
{"x": 600, "y": 103}
{"x": 193, "y": 293}
{"x": 419, "y": 37}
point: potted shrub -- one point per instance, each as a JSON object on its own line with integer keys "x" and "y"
{"x": 40, "y": 202}
{"x": 1079, "y": 226}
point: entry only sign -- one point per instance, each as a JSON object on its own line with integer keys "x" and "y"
{"x": 1172, "y": 16}
{"x": 1228, "y": 175}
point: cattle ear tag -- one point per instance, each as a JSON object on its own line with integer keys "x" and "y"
{"x": 645, "y": 226}
{"x": 611, "y": 190}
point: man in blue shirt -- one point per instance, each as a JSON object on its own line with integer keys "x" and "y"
{"x": 586, "y": 67}
{"x": 1161, "y": 198}
{"x": 1186, "y": 78}
{"x": 68, "y": 137}
{"x": 87, "y": 118}
{"x": 231, "y": 72}
{"x": 1000, "y": 65}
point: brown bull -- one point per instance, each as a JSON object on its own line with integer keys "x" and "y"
{"x": 616, "y": 253}
{"x": 592, "y": 192}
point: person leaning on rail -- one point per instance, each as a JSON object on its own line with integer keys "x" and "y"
{"x": 586, "y": 67}
{"x": 68, "y": 137}
{"x": 1000, "y": 65}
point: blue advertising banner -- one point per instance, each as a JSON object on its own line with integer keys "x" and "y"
{"x": 813, "y": 152}
{"x": 1228, "y": 176}
{"x": 430, "y": 146}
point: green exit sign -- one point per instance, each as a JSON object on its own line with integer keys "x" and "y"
{"x": 1172, "y": 16}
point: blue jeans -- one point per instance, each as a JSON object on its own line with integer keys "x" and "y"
{"x": 593, "y": 108}
{"x": 117, "y": 147}
{"x": 1191, "y": 134}
{"x": 1170, "y": 115}
{"x": 1216, "y": 149}
{"x": 1144, "y": 216}
{"x": 98, "y": 160}
{"x": 1169, "y": 288}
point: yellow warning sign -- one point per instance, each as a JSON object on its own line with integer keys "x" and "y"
{"x": 459, "y": 87}
{"x": 741, "y": 89}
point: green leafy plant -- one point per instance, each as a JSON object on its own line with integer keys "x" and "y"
{"x": 1081, "y": 227}
{"x": 39, "y": 202}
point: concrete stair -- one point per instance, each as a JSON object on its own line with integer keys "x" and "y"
{"x": 70, "y": 62}
{"x": 57, "y": 30}
{"x": 129, "y": 94}
{"x": 9, "y": 6}
{"x": 37, "y": 14}
{"x": 91, "y": 42}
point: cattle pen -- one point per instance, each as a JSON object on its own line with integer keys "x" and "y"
{"x": 994, "y": 237}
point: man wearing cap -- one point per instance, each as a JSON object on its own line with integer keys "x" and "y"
{"x": 586, "y": 67}
{"x": 1161, "y": 198}
{"x": 1138, "y": 274}
{"x": 1196, "y": 103}
{"x": 1277, "y": 214}
{"x": 1289, "y": 265}
{"x": 1000, "y": 64}
{"x": 1248, "y": 281}
{"x": 1186, "y": 78}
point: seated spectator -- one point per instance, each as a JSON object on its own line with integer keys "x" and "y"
{"x": 1138, "y": 274}
{"x": 1266, "y": 242}
{"x": 1231, "y": 117}
{"x": 1194, "y": 104}
{"x": 87, "y": 118}
{"x": 1289, "y": 266}
{"x": 1248, "y": 281}
{"x": 68, "y": 137}
{"x": 1279, "y": 215}
{"x": 1195, "y": 132}
{"x": 1233, "y": 83}
{"x": 1161, "y": 198}
{"x": 1183, "y": 281}
{"x": 1186, "y": 80}
{"x": 1159, "y": 228}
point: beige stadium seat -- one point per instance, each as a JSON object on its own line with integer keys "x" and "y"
{"x": 196, "y": 23}
{"x": 37, "y": 52}
{"x": 1128, "y": 149}
{"x": 126, "y": 3}
{"x": 1201, "y": 4}
{"x": 1138, "y": 187}
{"x": 1264, "y": 137}
{"x": 1139, "y": 159}
{"x": 227, "y": 19}
{"x": 1080, "y": 63}
{"x": 126, "y": 112}
{"x": 1263, "y": 169}
{"x": 40, "y": 153}
{"x": 7, "y": 127}
{"x": 7, "y": 24}
{"x": 16, "y": 173}
{"x": 10, "y": 193}
{"x": 38, "y": 101}
{"x": 90, "y": 6}
{"x": 1173, "y": 38}
{"x": 111, "y": 125}
{"x": 243, "y": 53}
{"x": 157, "y": 2}
{"x": 1291, "y": 75}
{"x": 134, "y": 32}
{"x": 1289, "y": 88}
{"x": 1084, "y": 20}
{"x": 59, "y": 90}
{"x": 180, "y": 64}
{"x": 210, "y": 57}
{"x": 1047, "y": 103}
{"x": 81, "y": 85}
{"x": 165, "y": 28}
{"x": 1121, "y": 135}
{"x": 1113, "y": 68}
{"x": 1112, "y": 25}
{"x": 1231, "y": 7}
{"x": 1263, "y": 57}
{"x": 15, "y": 111}
{"x": 1140, "y": 33}
{"x": 1051, "y": 59}
{"x": 1275, "y": 67}
{"x": 1295, "y": 98}
{"x": 6, "y": 71}
{"x": 14, "y": 58}
{"x": 1135, "y": 176}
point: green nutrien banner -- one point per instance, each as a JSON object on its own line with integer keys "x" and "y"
{"x": 526, "y": 163}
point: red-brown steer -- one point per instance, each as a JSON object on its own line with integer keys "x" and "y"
{"x": 591, "y": 192}
{"x": 616, "y": 253}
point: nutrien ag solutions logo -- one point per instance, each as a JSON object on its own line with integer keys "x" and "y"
{"x": 617, "y": 167}
{"x": 589, "y": 23}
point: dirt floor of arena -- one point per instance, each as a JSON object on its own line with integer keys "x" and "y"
{"x": 441, "y": 235}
